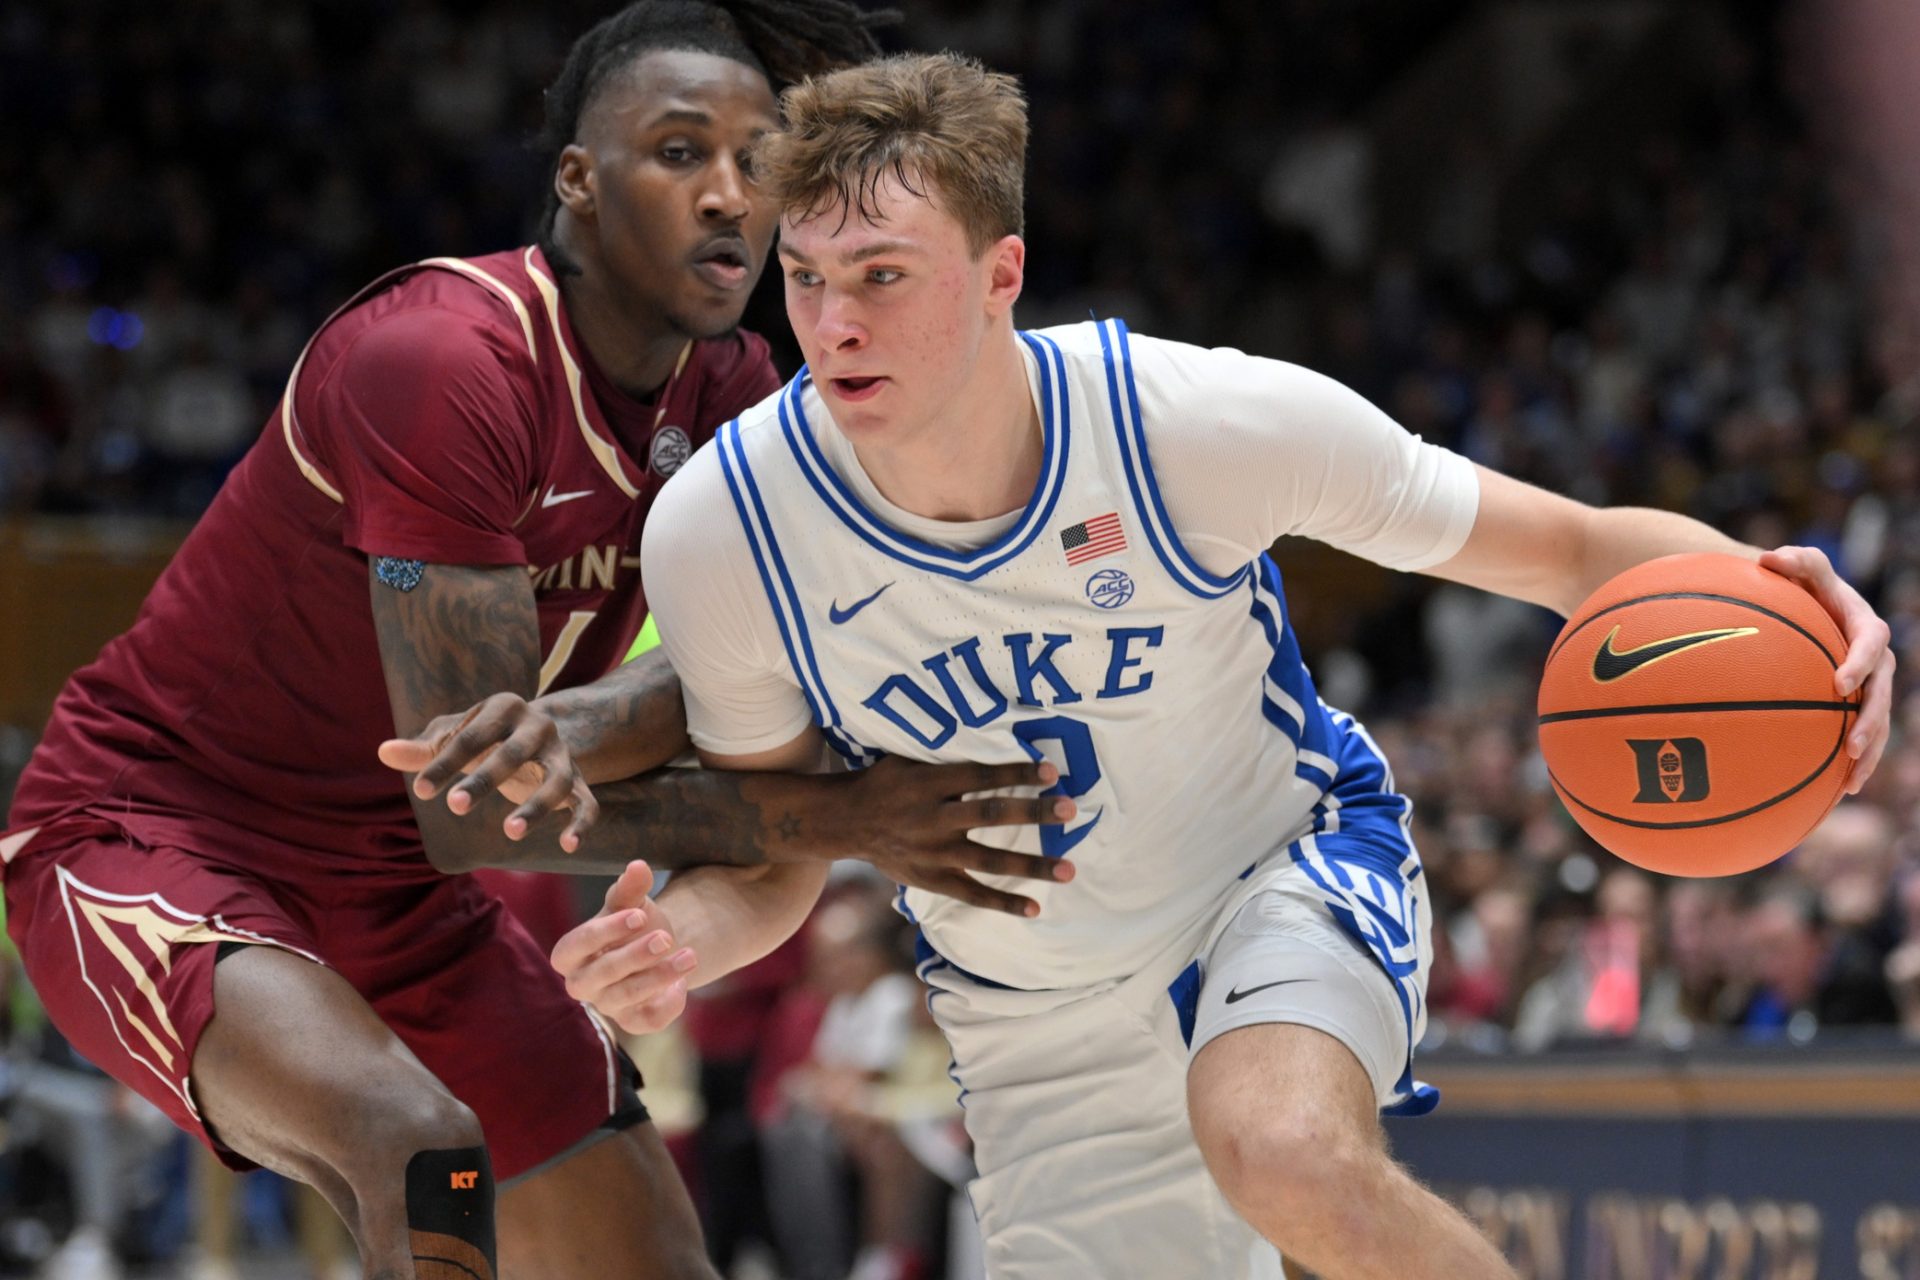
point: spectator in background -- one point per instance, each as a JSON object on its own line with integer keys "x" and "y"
{"x": 1596, "y": 989}
{"x": 1687, "y": 992}
{"x": 1804, "y": 976}
{"x": 834, "y": 1173}
{"x": 728, "y": 1022}
{"x": 1903, "y": 966}
{"x": 1486, "y": 945}
{"x": 1322, "y": 183}
{"x": 203, "y": 418}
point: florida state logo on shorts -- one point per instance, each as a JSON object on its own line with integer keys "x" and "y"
{"x": 124, "y": 944}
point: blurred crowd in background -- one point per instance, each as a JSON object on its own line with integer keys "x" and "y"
{"x": 1687, "y": 309}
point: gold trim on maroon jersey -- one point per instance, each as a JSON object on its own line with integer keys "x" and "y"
{"x": 290, "y": 427}
{"x": 519, "y": 308}
{"x": 10, "y": 846}
{"x": 599, "y": 446}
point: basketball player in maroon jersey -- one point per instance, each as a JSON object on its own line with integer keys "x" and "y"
{"x": 225, "y": 899}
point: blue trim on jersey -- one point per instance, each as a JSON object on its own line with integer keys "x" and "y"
{"x": 1184, "y": 991}
{"x": 1361, "y": 857}
{"x": 784, "y": 599}
{"x": 848, "y": 748}
{"x": 792, "y": 593}
{"x": 725, "y": 436}
{"x": 926, "y": 960}
{"x": 1130, "y": 429}
{"x": 1308, "y": 728}
{"x": 833, "y": 491}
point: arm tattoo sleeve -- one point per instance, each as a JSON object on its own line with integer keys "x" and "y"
{"x": 462, "y": 632}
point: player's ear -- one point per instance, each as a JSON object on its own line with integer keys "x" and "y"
{"x": 1006, "y": 264}
{"x": 574, "y": 179}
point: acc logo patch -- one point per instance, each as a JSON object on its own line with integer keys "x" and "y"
{"x": 670, "y": 451}
{"x": 1110, "y": 588}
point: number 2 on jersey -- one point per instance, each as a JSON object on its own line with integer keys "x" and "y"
{"x": 1079, "y": 775}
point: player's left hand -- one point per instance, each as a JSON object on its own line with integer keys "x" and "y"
{"x": 1868, "y": 666}
{"x": 503, "y": 744}
{"x": 624, "y": 961}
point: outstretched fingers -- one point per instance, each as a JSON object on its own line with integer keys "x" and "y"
{"x": 978, "y": 859}
{"x": 1011, "y": 811}
{"x": 962, "y": 779}
{"x": 964, "y": 888}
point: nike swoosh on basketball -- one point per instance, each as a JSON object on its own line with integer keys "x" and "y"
{"x": 836, "y": 615}
{"x": 555, "y": 499}
{"x": 1610, "y": 664}
{"x": 1238, "y": 995}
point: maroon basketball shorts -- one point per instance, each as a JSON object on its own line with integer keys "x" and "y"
{"x": 120, "y": 940}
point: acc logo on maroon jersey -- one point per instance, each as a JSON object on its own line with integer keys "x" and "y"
{"x": 671, "y": 449}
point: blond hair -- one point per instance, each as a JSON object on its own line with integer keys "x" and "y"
{"x": 939, "y": 121}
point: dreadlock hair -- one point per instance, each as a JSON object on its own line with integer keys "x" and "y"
{"x": 784, "y": 40}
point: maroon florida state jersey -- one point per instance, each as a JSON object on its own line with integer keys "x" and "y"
{"x": 447, "y": 414}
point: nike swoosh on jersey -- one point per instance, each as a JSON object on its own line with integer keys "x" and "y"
{"x": 836, "y": 615}
{"x": 1610, "y": 664}
{"x": 555, "y": 499}
{"x": 1237, "y": 995}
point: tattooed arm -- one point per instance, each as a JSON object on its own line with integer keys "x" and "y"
{"x": 450, "y": 634}
{"x": 627, "y": 722}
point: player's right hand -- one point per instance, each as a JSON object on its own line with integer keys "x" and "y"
{"x": 624, "y": 961}
{"x": 503, "y": 744}
{"x": 911, "y": 821}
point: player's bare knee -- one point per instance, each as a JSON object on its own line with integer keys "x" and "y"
{"x": 1300, "y": 1171}
{"x": 386, "y": 1129}
{"x": 430, "y": 1120}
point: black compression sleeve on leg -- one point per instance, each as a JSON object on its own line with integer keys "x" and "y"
{"x": 450, "y": 1214}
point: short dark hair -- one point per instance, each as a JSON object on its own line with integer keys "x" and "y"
{"x": 784, "y": 40}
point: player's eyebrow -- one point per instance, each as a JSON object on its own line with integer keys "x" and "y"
{"x": 680, "y": 115}
{"x": 878, "y": 248}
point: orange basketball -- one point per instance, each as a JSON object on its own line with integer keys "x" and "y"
{"x": 1689, "y": 719}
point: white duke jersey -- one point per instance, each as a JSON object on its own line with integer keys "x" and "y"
{"x": 1172, "y": 698}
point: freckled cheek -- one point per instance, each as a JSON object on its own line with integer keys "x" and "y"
{"x": 942, "y": 324}
{"x": 803, "y": 317}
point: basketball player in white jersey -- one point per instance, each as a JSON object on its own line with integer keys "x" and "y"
{"x": 952, "y": 540}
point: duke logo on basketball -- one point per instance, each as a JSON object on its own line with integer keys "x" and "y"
{"x": 1671, "y": 770}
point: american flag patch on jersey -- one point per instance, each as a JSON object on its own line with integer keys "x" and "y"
{"x": 1091, "y": 539}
